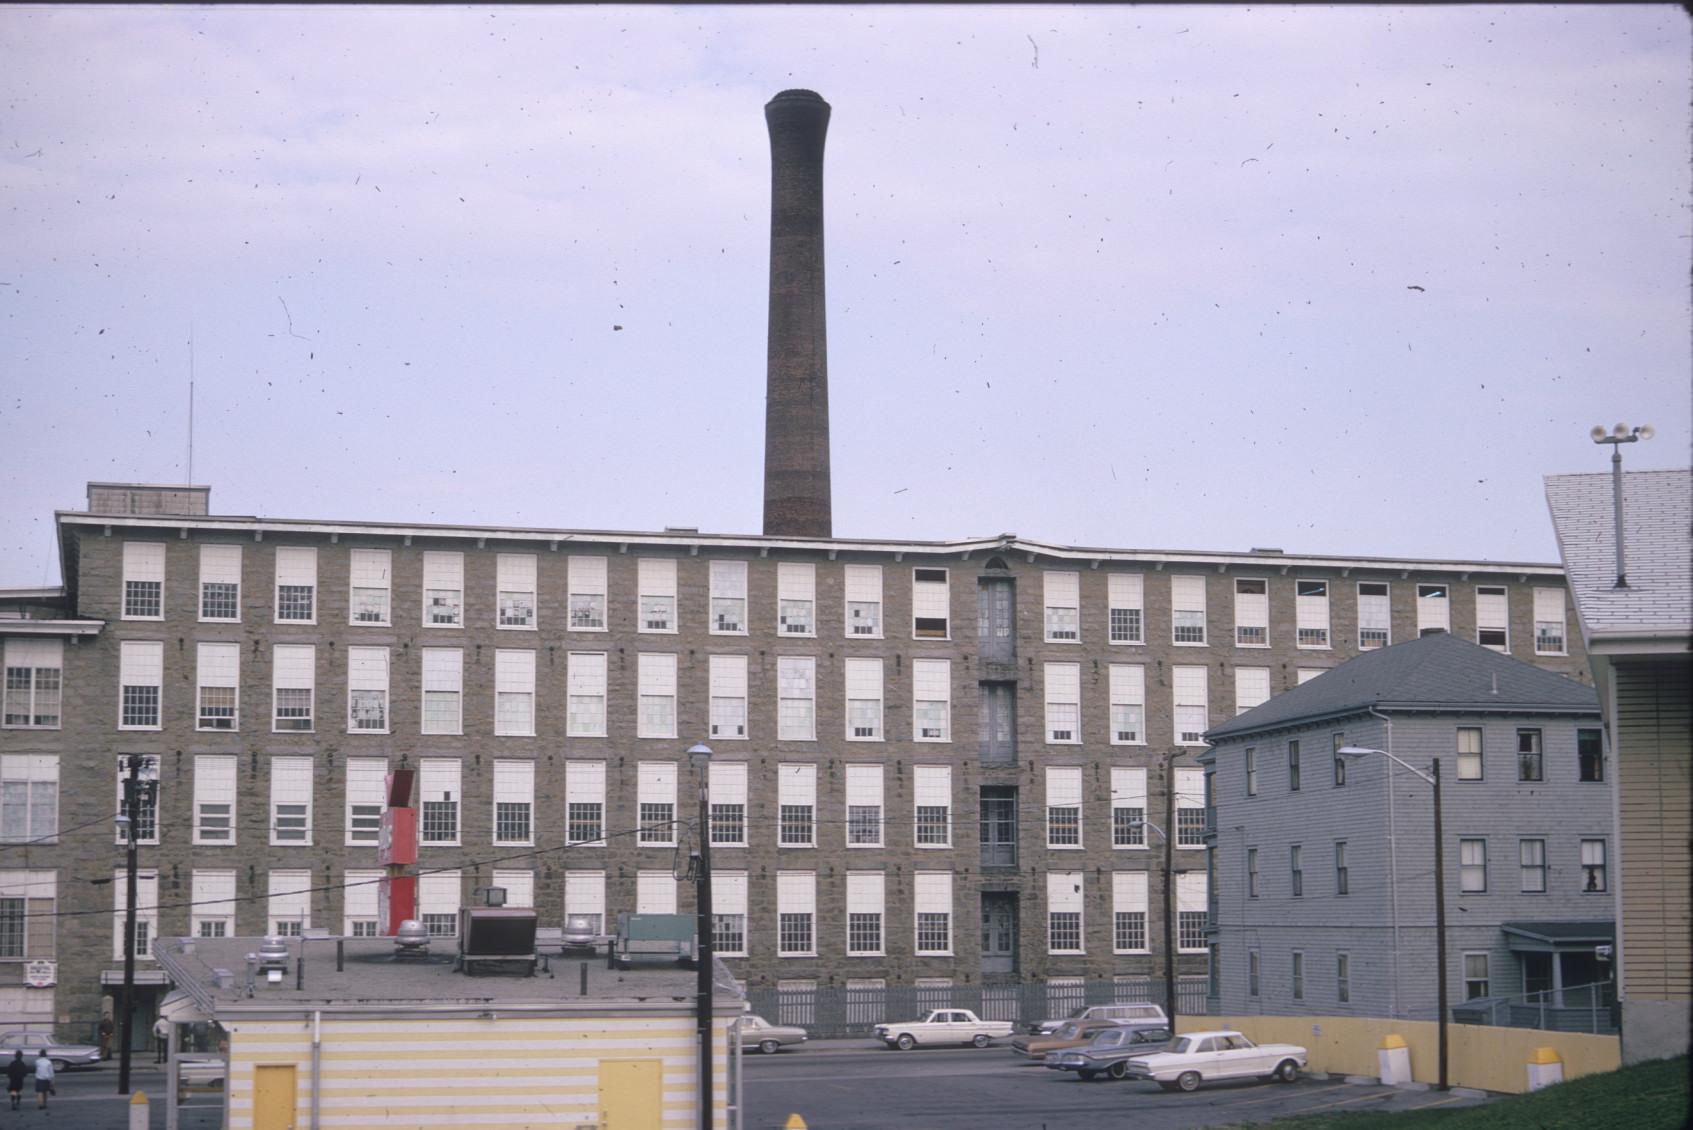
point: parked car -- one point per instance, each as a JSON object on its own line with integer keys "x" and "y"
{"x": 1143, "y": 1011}
{"x": 1108, "y": 1053}
{"x": 1070, "y": 1034}
{"x": 199, "y": 1071}
{"x": 943, "y": 1026}
{"x": 1198, "y": 1057}
{"x": 757, "y": 1032}
{"x": 62, "y": 1055}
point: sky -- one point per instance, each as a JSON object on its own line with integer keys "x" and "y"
{"x": 1334, "y": 280}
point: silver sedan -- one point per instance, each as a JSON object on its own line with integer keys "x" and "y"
{"x": 61, "y": 1055}
{"x": 767, "y": 1037}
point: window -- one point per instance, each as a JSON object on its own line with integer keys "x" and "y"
{"x": 514, "y": 802}
{"x": 1298, "y": 975}
{"x": 796, "y": 909}
{"x": 1063, "y": 703}
{"x": 657, "y": 717}
{"x": 729, "y": 913}
{"x": 1342, "y": 977}
{"x": 1296, "y": 869}
{"x": 146, "y": 912}
{"x": 1063, "y": 806}
{"x": 655, "y": 794}
{"x": 1472, "y": 866}
{"x": 1531, "y": 857}
{"x": 1250, "y": 759}
{"x": 1592, "y": 866}
{"x": 1470, "y": 765}
{"x": 143, "y": 580}
{"x": 361, "y": 895}
{"x": 443, "y": 590}
{"x": 438, "y": 903}
{"x": 147, "y": 808}
{"x": 655, "y": 892}
{"x": 369, "y": 585}
{"x": 931, "y": 695}
{"x": 1251, "y": 688}
{"x": 1306, "y": 674}
{"x": 291, "y": 801}
{"x": 863, "y": 806}
{"x": 1374, "y": 617}
{"x": 217, "y": 674}
{"x": 931, "y": 605}
{"x": 1338, "y": 741}
{"x": 514, "y": 693}
{"x": 1529, "y": 763}
{"x": 796, "y": 799}
{"x": 214, "y": 800}
{"x": 1191, "y": 916}
{"x": 1064, "y": 912}
{"x": 293, "y": 682}
{"x": 1590, "y": 754}
{"x": 367, "y": 690}
{"x": 213, "y": 896}
{"x": 29, "y": 798}
{"x": 729, "y": 598}
{"x": 1254, "y": 973}
{"x": 1192, "y": 704}
{"x": 1128, "y": 911}
{"x": 1311, "y": 613}
{"x": 367, "y": 796}
{"x": 519, "y": 887}
{"x": 932, "y": 901}
{"x": 1434, "y": 609}
{"x": 1190, "y": 808}
{"x": 796, "y": 598}
{"x": 1063, "y": 607}
{"x": 438, "y": 800}
{"x": 1187, "y": 610}
{"x": 863, "y": 584}
{"x": 931, "y": 786}
{"x": 864, "y": 899}
{"x": 1127, "y": 685}
{"x": 1342, "y": 873}
{"x": 34, "y": 683}
{"x": 584, "y": 803}
{"x": 296, "y": 584}
{"x": 515, "y": 588}
{"x": 1475, "y": 976}
{"x": 1251, "y": 612}
{"x": 1128, "y": 807}
{"x": 864, "y": 700}
{"x": 220, "y": 582}
{"x": 1492, "y": 615}
{"x": 1549, "y": 621}
{"x": 587, "y": 594}
{"x": 796, "y": 695}
{"x": 1252, "y": 873}
{"x": 443, "y": 690}
{"x": 584, "y": 894}
{"x": 585, "y": 687}
{"x": 655, "y": 577}
{"x": 141, "y": 666}
{"x": 728, "y": 696}
{"x": 290, "y": 910}
{"x": 729, "y": 803}
{"x": 1293, "y": 767}
{"x": 1125, "y": 607}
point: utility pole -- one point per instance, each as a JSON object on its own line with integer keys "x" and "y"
{"x": 700, "y": 755}
{"x": 1170, "y": 834}
{"x": 1439, "y": 916}
{"x": 134, "y": 789}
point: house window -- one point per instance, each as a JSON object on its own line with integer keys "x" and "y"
{"x": 1311, "y": 613}
{"x": 1373, "y": 615}
{"x": 1127, "y": 686}
{"x": 1125, "y": 607}
{"x": 1492, "y": 617}
{"x": 729, "y": 803}
{"x": 584, "y": 894}
{"x": 29, "y": 798}
{"x": 863, "y": 584}
{"x": 369, "y": 581}
{"x": 1251, "y": 688}
{"x": 141, "y": 666}
{"x": 932, "y": 901}
{"x": 1298, "y": 972}
{"x": 864, "y": 899}
{"x": 218, "y": 675}
{"x": 796, "y": 912}
{"x": 1191, "y": 916}
{"x": 1590, "y": 754}
{"x": 296, "y": 584}
{"x": 1189, "y": 688}
{"x": 1252, "y": 873}
{"x": 214, "y": 800}
{"x": 657, "y": 715}
{"x": 932, "y": 790}
{"x": 146, "y": 912}
{"x": 1063, "y": 607}
{"x": 655, "y": 892}
{"x": 1339, "y": 742}
{"x": 1128, "y": 911}
{"x": 729, "y": 913}
{"x": 584, "y": 803}
{"x": 729, "y": 598}
{"x": 796, "y": 698}
{"x": 864, "y": 700}
{"x": 1064, "y": 912}
{"x": 1342, "y": 873}
{"x": 361, "y": 911}
{"x": 213, "y": 896}
{"x": 220, "y": 582}
{"x": 1063, "y": 703}
{"x": 1187, "y": 610}
{"x": 1128, "y": 807}
{"x": 1343, "y": 977}
{"x": 367, "y": 796}
{"x": 1296, "y": 868}
{"x": 1592, "y": 866}
{"x": 1293, "y": 767}
{"x": 931, "y": 605}
{"x": 291, "y": 800}
{"x": 1549, "y": 621}
{"x": 443, "y": 590}
{"x": 655, "y": 577}
{"x": 1531, "y": 857}
{"x": 931, "y": 700}
{"x": 1529, "y": 764}
{"x": 796, "y": 598}
{"x": 1304, "y": 675}
{"x": 514, "y": 802}
{"x": 1470, "y": 765}
{"x": 864, "y": 806}
{"x": 1472, "y": 866}
{"x": 1253, "y": 973}
{"x": 1063, "y": 806}
{"x": 1251, "y": 759}
{"x": 147, "y": 805}
{"x": 585, "y": 689}
{"x": 1190, "y": 808}
{"x": 443, "y": 690}
{"x": 293, "y": 683}
{"x": 728, "y": 686}
{"x": 1251, "y": 612}
{"x": 367, "y": 690}
{"x": 796, "y": 800}
{"x": 587, "y": 594}
{"x": 438, "y": 794}
{"x": 143, "y": 580}
{"x": 1434, "y": 609}
{"x": 515, "y": 588}
{"x": 1475, "y": 976}
{"x": 438, "y": 903}
{"x": 514, "y": 693}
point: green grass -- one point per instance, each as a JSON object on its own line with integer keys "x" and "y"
{"x": 1647, "y": 1096}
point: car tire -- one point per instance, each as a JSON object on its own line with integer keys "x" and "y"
{"x": 768, "y": 1047}
{"x": 905, "y": 1042}
{"x": 1118, "y": 1070}
{"x": 1087, "y": 1076}
{"x": 59, "y": 1065}
{"x": 981, "y": 1040}
{"x": 1287, "y": 1071}
{"x": 1188, "y": 1081}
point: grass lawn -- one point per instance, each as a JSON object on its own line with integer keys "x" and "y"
{"x": 1647, "y": 1096}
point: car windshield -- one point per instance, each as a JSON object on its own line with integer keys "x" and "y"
{"x": 1109, "y": 1038}
{"x": 1068, "y": 1031}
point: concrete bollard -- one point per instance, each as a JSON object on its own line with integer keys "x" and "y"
{"x": 1393, "y": 1060}
{"x": 140, "y": 1114}
{"x": 1545, "y": 1068}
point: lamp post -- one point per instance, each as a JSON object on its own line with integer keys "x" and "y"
{"x": 1169, "y": 918}
{"x": 1616, "y": 437}
{"x": 700, "y": 754}
{"x": 1432, "y": 779}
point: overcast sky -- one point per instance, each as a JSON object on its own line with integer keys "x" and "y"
{"x": 1335, "y": 280}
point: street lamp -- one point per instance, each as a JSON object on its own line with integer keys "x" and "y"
{"x": 1169, "y": 918}
{"x": 700, "y": 754}
{"x": 1431, "y": 778}
{"x": 1616, "y": 437}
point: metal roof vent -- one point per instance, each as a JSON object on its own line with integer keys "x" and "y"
{"x": 273, "y": 955}
{"x": 412, "y": 939}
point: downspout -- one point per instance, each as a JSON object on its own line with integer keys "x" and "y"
{"x": 317, "y": 1064}
{"x": 1392, "y": 863}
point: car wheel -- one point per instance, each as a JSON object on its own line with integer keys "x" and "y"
{"x": 1287, "y": 1071}
{"x": 768, "y": 1047}
{"x": 1118, "y": 1070}
{"x": 905, "y": 1042}
{"x": 981, "y": 1040}
{"x": 1087, "y": 1076}
{"x": 59, "y": 1065}
{"x": 1188, "y": 1081}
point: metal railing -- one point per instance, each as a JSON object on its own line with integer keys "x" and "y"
{"x": 1579, "y": 1008}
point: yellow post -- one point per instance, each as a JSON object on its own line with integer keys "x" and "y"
{"x": 140, "y": 1116}
{"x": 794, "y": 1122}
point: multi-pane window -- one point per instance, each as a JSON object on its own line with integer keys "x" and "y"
{"x": 1296, "y": 869}
{"x": 865, "y": 907}
{"x": 1190, "y": 691}
{"x": 1311, "y": 613}
{"x": 296, "y": 584}
{"x": 655, "y": 798}
{"x": 1470, "y": 764}
{"x": 143, "y": 580}
{"x": 863, "y": 805}
{"x": 1063, "y": 607}
{"x": 34, "y": 683}
{"x": 438, "y": 903}
{"x": 1127, "y": 686}
{"x": 1342, "y": 871}
{"x": 1187, "y": 609}
{"x": 514, "y": 802}
{"x": 584, "y": 803}
{"x": 367, "y": 690}
{"x": 293, "y": 685}
{"x": 220, "y": 582}
{"x": 796, "y": 698}
{"x": 1531, "y": 859}
{"x": 729, "y": 913}
{"x": 1549, "y": 621}
{"x": 1128, "y": 807}
{"x": 1297, "y": 975}
{"x": 1590, "y": 754}
{"x": 1475, "y": 976}
{"x": 1374, "y": 618}
{"x": 1191, "y": 913}
{"x": 1190, "y": 808}
{"x": 585, "y": 689}
{"x": 147, "y": 804}
{"x": 796, "y": 598}
{"x": 1434, "y": 609}
{"x": 728, "y": 684}
{"x": 141, "y": 668}
{"x": 361, "y": 904}
{"x": 863, "y": 585}
{"x": 1251, "y": 872}
{"x": 291, "y": 800}
{"x": 931, "y": 787}
{"x": 1492, "y": 617}
{"x": 369, "y": 585}
{"x": 514, "y": 692}
{"x": 729, "y": 598}
{"x": 1063, "y": 806}
{"x": 217, "y": 676}
{"x": 1593, "y": 876}
{"x": 1251, "y": 688}
{"x": 146, "y": 912}
{"x": 438, "y": 800}
{"x": 1128, "y": 911}
{"x": 367, "y": 796}
{"x": 443, "y": 690}
{"x": 931, "y": 605}
{"x": 515, "y": 587}
{"x": 443, "y": 589}
{"x": 796, "y": 800}
{"x": 290, "y": 903}
{"x": 1530, "y": 764}
{"x": 1063, "y": 682}
{"x": 864, "y": 700}
{"x": 1064, "y": 911}
{"x": 728, "y": 801}
{"x": 1125, "y": 607}
{"x": 931, "y": 700}
{"x": 655, "y": 892}
{"x": 655, "y": 580}
{"x": 587, "y": 594}
{"x": 796, "y": 912}
{"x": 1293, "y": 766}
{"x": 584, "y": 895}
{"x": 1251, "y": 612}
{"x": 29, "y": 798}
{"x": 1249, "y": 759}
{"x": 214, "y": 799}
{"x": 213, "y": 912}
{"x": 932, "y": 902}
{"x": 656, "y": 717}
{"x": 1472, "y": 865}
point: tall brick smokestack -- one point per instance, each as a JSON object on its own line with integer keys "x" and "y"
{"x": 796, "y": 398}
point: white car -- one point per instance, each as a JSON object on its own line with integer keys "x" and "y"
{"x": 943, "y": 1026}
{"x": 1199, "y": 1057}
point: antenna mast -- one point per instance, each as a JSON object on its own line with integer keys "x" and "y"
{"x": 190, "y": 479}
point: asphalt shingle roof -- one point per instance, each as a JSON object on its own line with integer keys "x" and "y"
{"x": 1658, "y": 549}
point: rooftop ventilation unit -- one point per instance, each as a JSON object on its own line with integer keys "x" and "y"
{"x": 660, "y": 936}
{"x": 497, "y": 934}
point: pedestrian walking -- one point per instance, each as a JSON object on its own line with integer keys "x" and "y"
{"x": 106, "y": 1037}
{"x": 16, "y": 1072}
{"x": 43, "y": 1079}
{"x": 161, "y": 1039}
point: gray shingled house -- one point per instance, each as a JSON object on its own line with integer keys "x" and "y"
{"x": 1323, "y": 893}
